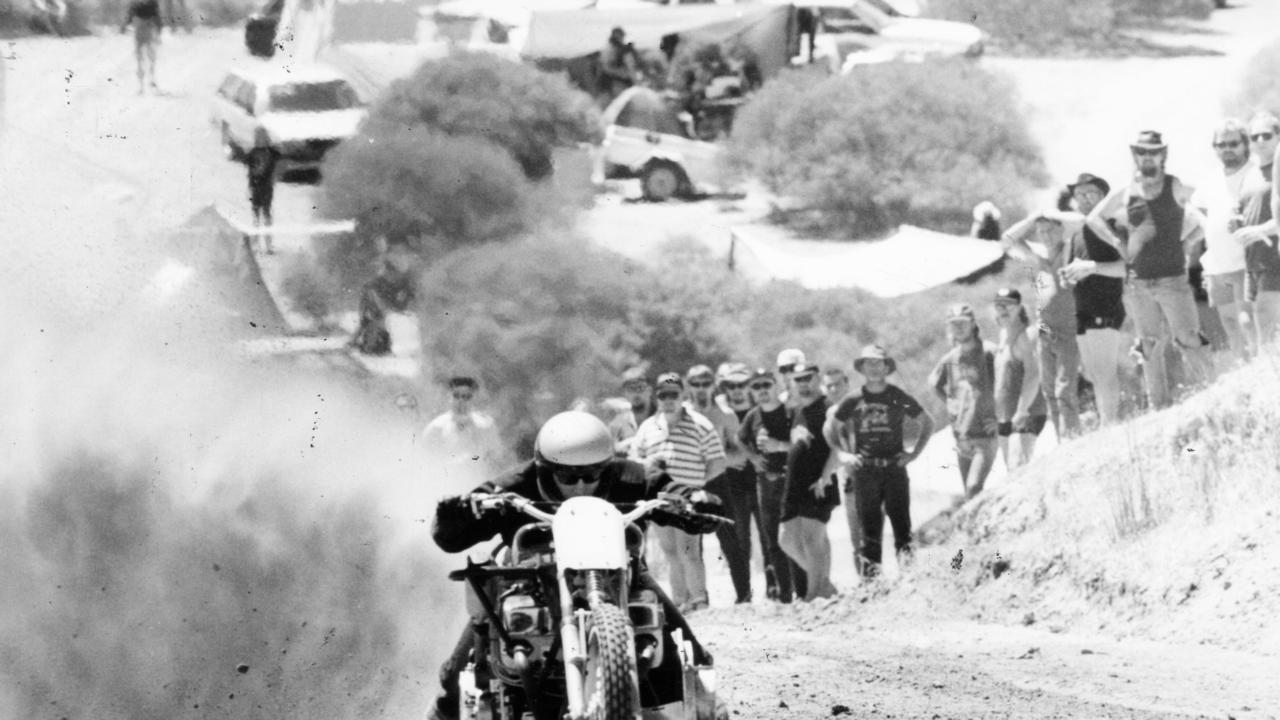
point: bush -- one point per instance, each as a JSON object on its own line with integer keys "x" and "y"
{"x": 411, "y": 181}
{"x": 520, "y": 109}
{"x": 538, "y": 321}
{"x": 895, "y": 143}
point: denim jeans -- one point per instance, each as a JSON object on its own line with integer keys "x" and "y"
{"x": 783, "y": 577}
{"x": 1164, "y": 310}
{"x": 880, "y": 492}
{"x": 737, "y": 491}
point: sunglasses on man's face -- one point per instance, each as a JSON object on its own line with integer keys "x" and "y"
{"x": 1262, "y": 136}
{"x": 668, "y": 395}
{"x": 802, "y": 378}
{"x": 462, "y": 396}
{"x": 1146, "y": 152}
{"x": 733, "y": 385}
{"x": 762, "y": 386}
{"x": 699, "y": 384}
{"x": 575, "y": 475}
{"x": 1230, "y": 144}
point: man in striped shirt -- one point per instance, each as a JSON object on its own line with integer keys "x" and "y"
{"x": 685, "y": 445}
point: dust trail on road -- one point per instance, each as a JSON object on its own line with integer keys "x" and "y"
{"x": 181, "y": 537}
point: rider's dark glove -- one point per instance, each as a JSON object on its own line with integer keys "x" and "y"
{"x": 455, "y": 511}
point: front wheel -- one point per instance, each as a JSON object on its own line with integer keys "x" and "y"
{"x": 612, "y": 690}
{"x": 660, "y": 181}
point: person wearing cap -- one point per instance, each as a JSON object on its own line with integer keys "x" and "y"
{"x": 986, "y": 221}
{"x": 868, "y": 430}
{"x": 729, "y": 485}
{"x": 787, "y": 360}
{"x": 685, "y": 445}
{"x": 1257, "y": 233}
{"x": 742, "y": 501}
{"x": 1056, "y": 348}
{"x": 765, "y": 433}
{"x": 964, "y": 379}
{"x": 1155, "y": 228}
{"x": 1020, "y": 405}
{"x": 638, "y": 397}
{"x": 463, "y": 438}
{"x": 1096, "y": 276}
{"x": 1224, "y": 257}
{"x": 810, "y": 494}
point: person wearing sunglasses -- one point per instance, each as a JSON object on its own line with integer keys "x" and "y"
{"x": 573, "y": 457}
{"x": 463, "y": 438}
{"x": 765, "y": 433}
{"x": 1257, "y": 233}
{"x": 1224, "y": 260}
{"x": 735, "y": 540}
{"x": 684, "y": 444}
{"x": 1155, "y": 229}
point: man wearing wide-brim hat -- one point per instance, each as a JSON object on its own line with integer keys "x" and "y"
{"x": 1152, "y": 223}
{"x": 867, "y": 430}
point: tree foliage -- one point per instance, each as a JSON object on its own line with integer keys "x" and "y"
{"x": 479, "y": 95}
{"x": 1259, "y": 87}
{"x": 890, "y": 144}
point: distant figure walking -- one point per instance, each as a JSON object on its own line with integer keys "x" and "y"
{"x": 261, "y": 166}
{"x": 986, "y": 221}
{"x": 144, "y": 15}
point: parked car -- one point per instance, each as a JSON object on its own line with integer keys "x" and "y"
{"x": 644, "y": 138}
{"x": 861, "y": 29}
{"x": 300, "y": 112}
{"x": 260, "y": 29}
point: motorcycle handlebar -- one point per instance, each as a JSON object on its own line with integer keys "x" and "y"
{"x": 497, "y": 501}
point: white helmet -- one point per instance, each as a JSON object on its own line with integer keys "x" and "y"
{"x": 572, "y": 449}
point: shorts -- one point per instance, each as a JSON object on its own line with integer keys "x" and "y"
{"x": 1259, "y": 281}
{"x": 1084, "y": 323}
{"x": 1225, "y": 288}
{"x": 1033, "y": 425}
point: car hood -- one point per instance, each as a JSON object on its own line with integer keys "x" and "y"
{"x": 933, "y": 32}
{"x": 334, "y": 124}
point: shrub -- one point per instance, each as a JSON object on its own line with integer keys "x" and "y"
{"x": 407, "y": 181}
{"x": 539, "y": 321}
{"x": 894, "y": 143}
{"x": 520, "y": 109}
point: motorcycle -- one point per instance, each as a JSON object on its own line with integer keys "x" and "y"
{"x": 569, "y": 624}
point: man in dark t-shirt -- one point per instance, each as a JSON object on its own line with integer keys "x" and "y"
{"x": 1155, "y": 227}
{"x": 810, "y": 494}
{"x": 765, "y": 433}
{"x": 868, "y": 430}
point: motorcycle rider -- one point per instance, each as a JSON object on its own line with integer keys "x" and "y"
{"x": 573, "y": 457}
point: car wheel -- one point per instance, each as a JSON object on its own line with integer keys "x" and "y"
{"x": 230, "y": 150}
{"x": 660, "y": 181}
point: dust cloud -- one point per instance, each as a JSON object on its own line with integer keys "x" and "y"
{"x": 183, "y": 535}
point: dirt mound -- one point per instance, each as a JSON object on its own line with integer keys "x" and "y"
{"x": 1162, "y": 528}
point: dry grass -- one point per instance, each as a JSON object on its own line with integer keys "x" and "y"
{"x": 1162, "y": 527}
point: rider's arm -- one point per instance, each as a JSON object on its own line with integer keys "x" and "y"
{"x": 456, "y": 528}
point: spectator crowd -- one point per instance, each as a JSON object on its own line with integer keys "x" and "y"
{"x": 1153, "y": 278}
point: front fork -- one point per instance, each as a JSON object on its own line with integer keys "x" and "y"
{"x": 598, "y": 586}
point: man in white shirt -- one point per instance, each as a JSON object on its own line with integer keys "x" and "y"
{"x": 1224, "y": 257}
{"x": 465, "y": 440}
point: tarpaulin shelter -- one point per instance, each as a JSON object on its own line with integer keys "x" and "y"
{"x": 767, "y": 29}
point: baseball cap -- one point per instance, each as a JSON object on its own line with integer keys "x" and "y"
{"x": 1008, "y": 296}
{"x": 761, "y": 373}
{"x": 788, "y": 358}
{"x": 961, "y": 311}
{"x": 634, "y": 376}
{"x": 735, "y": 373}
{"x": 802, "y": 369}
{"x": 669, "y": 378}
{"x": 699, "y": 371}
